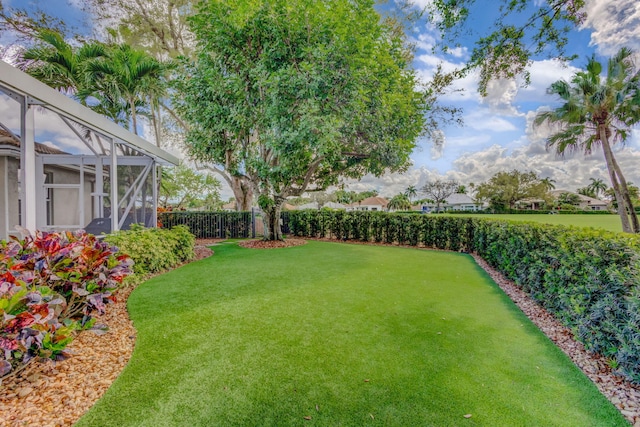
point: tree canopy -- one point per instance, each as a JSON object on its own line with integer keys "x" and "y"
{"x": 439, "y": 190}
{"x": 504, "y": 189}
{"x": 182, "y": 188}
{"x": 293, "y": 95}
{"x": 522, "y": 30}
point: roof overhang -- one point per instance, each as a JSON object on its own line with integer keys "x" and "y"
{"x": 15, "y": 82}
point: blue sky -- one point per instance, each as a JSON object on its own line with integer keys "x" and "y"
{"x": 497, "y": 134}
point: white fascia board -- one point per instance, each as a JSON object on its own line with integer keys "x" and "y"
{"x": 24, "y": 84}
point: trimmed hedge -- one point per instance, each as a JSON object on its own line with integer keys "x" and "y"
{"x": 589, "y": 279}
{"x": 154, "y": 249}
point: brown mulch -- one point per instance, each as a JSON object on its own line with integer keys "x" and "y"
{"x": 272, "y": 244}
{"x": 59, "y": 393}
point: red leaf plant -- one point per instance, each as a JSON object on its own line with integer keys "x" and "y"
{"x": 50, "y": 284}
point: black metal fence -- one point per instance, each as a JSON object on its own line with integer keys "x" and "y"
{"x": 220, "y": 225}
{"x": 208, "y": 225}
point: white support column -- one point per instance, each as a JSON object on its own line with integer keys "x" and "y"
{"x": 154, "y": 186}
{"x": 81, "y": 219}
{"x": 114, "y": 187}
{"x": 98, "y": 190}
{"x": 28, "y": 167}
{"x": 41, "y": 195}
{"x": 5, "y": 201}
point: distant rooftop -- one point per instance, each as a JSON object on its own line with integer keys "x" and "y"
{"x": 7, "y": 139}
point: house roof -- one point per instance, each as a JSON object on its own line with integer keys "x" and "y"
{"x": 230, "y": 205}
{"x": 585, "y": 199}
{"x": 7, "y": 139}
{"x": 459, "y": 199}
{"x": 372, "y": 201}
{"x": 333, "y": 205}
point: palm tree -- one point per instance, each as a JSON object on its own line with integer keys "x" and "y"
{"x": 548, "y": 183}
{"x": 399, "y": 202}
{"x": 411, "y": 192}
{"x": 598, "y": 186}
{"x": 126, "y": 77}
{"x": 599, "y": 111}
{"x": 56, "y": 63}
{"x": 586, "y": 191}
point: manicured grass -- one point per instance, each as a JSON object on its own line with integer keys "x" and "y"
{"x": 348, "y": 335}
{"x": 607, "y": 222}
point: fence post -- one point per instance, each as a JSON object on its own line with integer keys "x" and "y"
{"x": 253, "y": 223}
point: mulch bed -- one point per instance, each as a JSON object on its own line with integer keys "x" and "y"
{"x": 57, "y": 394}
{"x": 272, "y": 244}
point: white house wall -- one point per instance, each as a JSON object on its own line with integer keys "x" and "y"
{"x": 9, "y": 195}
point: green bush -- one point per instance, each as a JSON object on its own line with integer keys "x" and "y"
{"x": 589, "y": 279}
{"x": 155, "y": 249}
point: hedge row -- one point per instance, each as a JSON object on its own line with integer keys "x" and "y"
{"x": 589, "y": 279}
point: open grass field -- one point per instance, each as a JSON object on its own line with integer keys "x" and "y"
{"x": 607, "y": 222}
{"x": 331, "y": 334}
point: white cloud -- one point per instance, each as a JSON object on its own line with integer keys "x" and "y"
{"x": 484, "y": 119}
{"x": 438, "y": 141}
{"x": 614, "y": 24}
{"x": 543, "y": 74}
{"x": 500, "y": 96}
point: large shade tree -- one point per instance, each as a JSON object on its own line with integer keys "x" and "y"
{"x": 504, "y": 189}
{"x": 599, "y": 111}
{"x": 439, "y": 190}
{"x": 293, "y": 95}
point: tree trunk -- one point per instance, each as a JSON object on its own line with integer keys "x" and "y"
{"x": 608, "y": 155}
{"x": 134, "y": 117}
{"x": 242, "y": 192}
{"x": 272, "y": 229}
{"x": 624, "y": 189}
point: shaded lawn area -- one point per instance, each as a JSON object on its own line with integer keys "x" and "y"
{"x": 348, "y": 335}
{"x": 606, "y": 222}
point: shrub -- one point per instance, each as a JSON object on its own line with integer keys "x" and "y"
{"x": 50, "y": 284}
{"x": 155, "y": 249}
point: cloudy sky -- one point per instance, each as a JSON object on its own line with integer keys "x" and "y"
{"x": 497, "y": 134}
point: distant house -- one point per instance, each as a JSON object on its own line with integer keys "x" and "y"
{"x": 530, "y": 203}
{"x": 455, "y": 202}
{"x": 586, "y": 203}
{"x": 461, "y": 202}
{"x": 370, "y": 204}
{"x": 229, "y": 207}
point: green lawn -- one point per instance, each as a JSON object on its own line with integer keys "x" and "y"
{"x": 607, "y": 222}
{"x": 348, "y": 335}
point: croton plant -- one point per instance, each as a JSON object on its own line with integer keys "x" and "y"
{"x": 50, "y": 285}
